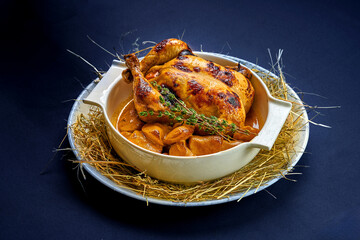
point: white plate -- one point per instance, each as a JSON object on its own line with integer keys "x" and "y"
{"x": 79, "y": 107}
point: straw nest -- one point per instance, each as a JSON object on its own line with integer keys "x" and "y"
{"x": 95, "y": 149}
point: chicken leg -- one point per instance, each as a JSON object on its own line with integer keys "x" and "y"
{"x": 146, "y": 97}
{"x": 163, "y": 52}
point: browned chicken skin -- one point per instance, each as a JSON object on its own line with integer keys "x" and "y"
{"x": 203, "y": 94}
{"x": 202, "y": 68}
{"x": 209, "y": 88}
{"x": 160, "y": 54}
{"x": 146, "y": 97}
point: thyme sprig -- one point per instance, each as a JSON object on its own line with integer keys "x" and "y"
{"x": 181, "y": 113}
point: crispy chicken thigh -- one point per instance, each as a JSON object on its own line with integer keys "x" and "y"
{"x": 146, "y": 97}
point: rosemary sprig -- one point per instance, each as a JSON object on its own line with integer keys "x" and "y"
{"x": 181, "y": 113}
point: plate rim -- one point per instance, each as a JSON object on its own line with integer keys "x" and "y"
{"x": 127, "y": 192}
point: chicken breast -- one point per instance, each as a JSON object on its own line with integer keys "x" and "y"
{"x": 201, "y": 68}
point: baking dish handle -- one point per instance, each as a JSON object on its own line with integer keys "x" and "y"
{"x": 98, "y": 94}
{"x": 277, "y": 115}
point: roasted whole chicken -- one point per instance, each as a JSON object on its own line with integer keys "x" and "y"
{"x": 210, "y": 89}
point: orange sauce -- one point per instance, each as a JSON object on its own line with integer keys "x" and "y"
{"x": 126, "y": 121}
{"x": 254, "y": 119}
{"x": 116, "y": 115}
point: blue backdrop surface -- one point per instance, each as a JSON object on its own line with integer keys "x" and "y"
{"x": 40, "y": 79}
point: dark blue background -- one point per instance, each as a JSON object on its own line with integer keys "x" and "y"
{"x": 39, "y": 79}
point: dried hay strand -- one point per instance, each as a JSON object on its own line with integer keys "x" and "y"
{"x": 94, "y": 148}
